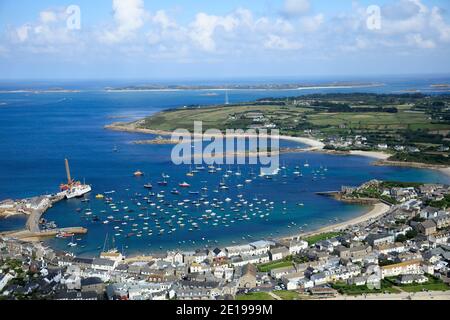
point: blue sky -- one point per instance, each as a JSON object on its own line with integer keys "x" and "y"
{"x": 149, "y": 39}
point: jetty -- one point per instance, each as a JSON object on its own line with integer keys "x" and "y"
{"x": 30, "y": 236}
{"x": 35, "y": 208}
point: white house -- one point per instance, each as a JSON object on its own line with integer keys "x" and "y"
{"x": 407, "y": 267}
{"x": 245, "y": 249}
{"x": 261, "y": 246}
{"x": 278, "y": 253}
{"x": 296, "y": 246}
{"x": 104, "y": 264}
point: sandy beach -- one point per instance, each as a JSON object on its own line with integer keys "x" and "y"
{"x": 312, "y": 143}
{"x": 378, "y": 210}
{"x": 371, "y": 154}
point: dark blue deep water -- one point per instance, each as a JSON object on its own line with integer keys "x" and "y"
{"x": 39, "y": 130}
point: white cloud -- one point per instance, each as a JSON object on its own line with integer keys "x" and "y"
{"x": 312, "y": 23}
{"x": 278, "y": 43}
{"x": 162, "y": 19}
{"x": 48, "y": 17}
{"x": 129, "y": 17}
{"x": 420, "y": 42}
{"x": 204, "y": 27}
{"x": 294, "y": 8}
{"x": 438, "y": 23}
{"x": 49, "y": 29}
{"x": 22, "y": 33}
{"x": 240, "y": 34}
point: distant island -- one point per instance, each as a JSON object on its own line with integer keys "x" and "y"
{"x": 36, "y": 91}
{"x": 443, "y": 85}
{"x": 286, "y": 86}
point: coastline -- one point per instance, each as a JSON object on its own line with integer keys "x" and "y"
{"x": 314, "y": 145}
{"x": 376, "y": 211}
{"x": 289, "y": 88}
{"x": 130, "y": 127}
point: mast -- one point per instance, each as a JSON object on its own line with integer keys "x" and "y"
{"x": 104, "y": 244}
{"x": 226, "y": 97}
{"x": 69, "y": 179}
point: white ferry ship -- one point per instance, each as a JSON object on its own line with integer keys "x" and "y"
{"x": 74, "y": 189}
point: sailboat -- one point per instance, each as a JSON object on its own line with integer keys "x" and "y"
{"x": 72, "y": 243}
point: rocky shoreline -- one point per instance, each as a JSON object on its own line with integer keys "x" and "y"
{"x": 388, "y": 163}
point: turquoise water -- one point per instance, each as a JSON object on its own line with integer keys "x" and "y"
{"x": 40, "y": 130}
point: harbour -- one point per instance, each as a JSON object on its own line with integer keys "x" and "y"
{"x": 151, "y": 212}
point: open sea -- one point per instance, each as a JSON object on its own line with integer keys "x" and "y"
{"x": 39, "y": 130}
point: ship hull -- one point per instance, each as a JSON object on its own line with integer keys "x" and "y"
{"x": 78, "y": 191}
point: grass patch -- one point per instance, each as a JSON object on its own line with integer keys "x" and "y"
{"x": 320, "y": 237}
{"x": 353, "y": 290}
{"x": 267, "y": 267}
{"x": 287, "y": 295}
{"x": 255, "y": 296}
{"x": 433, "y": 284}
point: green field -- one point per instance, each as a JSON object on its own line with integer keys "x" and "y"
{"x": 323, "y": 236}
{"x": 216, "y": 117}
{"x": 397, "y": 120}
{"x": 267, "y": 267}
{"x": 288, "y": 117}
{"x": 255, "y": 296}
{"x": 433, "y": 284}
{"x": 353, "y": 290}
{"x": 287, "y": 295}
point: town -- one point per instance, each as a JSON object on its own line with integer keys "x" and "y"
{"x": 405, "y": 251}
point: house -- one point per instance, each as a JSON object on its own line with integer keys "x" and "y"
{"x": 357, "y": 281}
{"x": 219, "y": 253}
{"x": 442, "y": 221}
{"x": 261, "y": 246}
{"x": 279, "y": 272}
{"x": 247, "y": 279}
{"x": 407, "y": 267}
{"x": 201, "y": 255}
{"x": 439, "y": 238}
{"x": 83, "y": 262}
{"x": 239, "y": 250}
{"x": 412, "y": 278}
{"x": 291, "y": 280}
{"x": 380, "y": 239}
{"x": 322, "y": 292}
{"x": 397, "y": 247}
{"x": 176, "y": 257}
{"x": 103, "y": 264}
{"x": 428, "y": 268}
{"x": 357, "y": 252}
{"x": 201, "y": 267}
{"x": 305, "y": 284}
{"x": 223, "y": 271}
{"x": 296, "y": 246}
{"x": 427, "y": 227}
{"x": 112, "y": 255}
{"x": 429, "y": 212}
{"x": 93, "y": 284}
{"x": 278, "y": 253}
